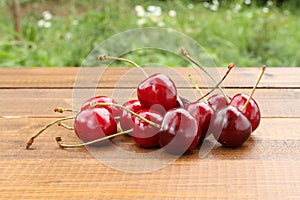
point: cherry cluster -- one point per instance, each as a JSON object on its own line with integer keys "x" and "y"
{"x": 159, "y": 117}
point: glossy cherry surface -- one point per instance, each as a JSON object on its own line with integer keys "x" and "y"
{"x": 203, "y": 113}
{"x": 127, "y": 119}
{"x": 217, "y": 101}
{"x": 182, "y": 102}
{"x": 157, "y": 92}
{"x": 143, "y": 133}
{"x": 252, "y": 111}
{"x": 92, "y": 124}
{"x": 179, "y": 131}
{"x": 102, "y": 99}
{"x": 231, "y": 127}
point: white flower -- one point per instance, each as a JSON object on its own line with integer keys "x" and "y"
{"x": 206, "y": 4}
{"x": 237, "y": 8}
{"x": 47, "y": 15}
{"x": 138, "y": 8}
{"x": 157, "y": 12}
{"x": 160, "y": 24}
{"x": 247, "y": 2}
{"x": 141, "y": 22}
{"x": 47, "y": 24}
{"x": 68, "y": 35}
{"x": 190, "y": 6}
{"x": 216, "y": 2}
{"x": 41, "y": 23}
{"x": 151, "y": 8}
{"x": 154, "y": 10}
{"x": 75, "y": 22}
{"x": 172, "y": 13}
{"x": 140, "y": 11}
{"x": 269, "y": 3}
{"x": 265, "y": 10}
{"x": 214, "y": 7}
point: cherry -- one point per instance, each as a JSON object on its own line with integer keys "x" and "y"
{"x": 182, "y": 102}
{"x": 143, "y": 133}
{"x": 203, "y": 113}
{"x": 92, "y": 124}
{"x": 102, "y": 99}
{"x": 110, "y": 136}
{"x": 157, "y": 92}
{"x": 217, "y": 101}
{"x": 126, "y": 120}
{"x": 230, "y": 127}
{"x": 179, "y": 131}
{"x": 247, "y": 105}
{"x": 252, "y": 111}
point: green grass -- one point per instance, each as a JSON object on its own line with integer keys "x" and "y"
{"x": 247, "y": 37}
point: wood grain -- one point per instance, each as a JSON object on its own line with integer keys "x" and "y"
{"x": 41, "y": 102}
{"x": 267, "y": 166}
{"x": 129, "y": 77}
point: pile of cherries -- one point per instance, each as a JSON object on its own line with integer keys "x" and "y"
{"x": 159, "y": 117}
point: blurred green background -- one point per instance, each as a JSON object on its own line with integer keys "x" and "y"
{"x": 62, "y": 32}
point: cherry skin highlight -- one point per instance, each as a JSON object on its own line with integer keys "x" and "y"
{"x": 179, "y": 131}
{"x": 251, "y": 111}
{"x": 116, "y": 111}
{"x": 143, "y": 133}
{"x": 231, "y": 127}
{"x": 217, "y": 101}
{"x": 157, "y": 92}
{"x": 182, "y": 102}
{"x": 203, "y": 113}
{"x": 92, "y": 124}
{"x": 127, "y": 120}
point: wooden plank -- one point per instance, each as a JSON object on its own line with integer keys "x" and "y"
{"x": 231, "y": 179}
{"x": 282, "y": 137}
{"x": 41, "y": 102}
{"x": 267, "y": 167}
{"x": 130, "y": 77}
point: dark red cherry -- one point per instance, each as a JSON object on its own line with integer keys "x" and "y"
{"x": 144, "y": 134}
{"x": 182, "y": 102}
{"x": 231, "y": 127}
{"x": 102, "y": 99}
{"x": 217, "y": 101}
{"x": 179, "y": 131}
{"x": 252, "y": 111}
{"x": 127, "y": 120}
{"x": 92, "y": 124}
{"x": 202, "y": 112}
{"x": 157, "y": 92}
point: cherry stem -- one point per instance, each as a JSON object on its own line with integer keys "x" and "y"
{"x": 62, "y": 145}
{"x": 65, "y": 126}
{"x": 31, "y": 140}
{"x": 185, "y": 54}
{"x": 230, "y": 66}
{"x": 106, "y": 57}
{"x": 254, "y": 87}
{"x": 128, "y": 110}
{"x": 197, "y": 87}
{"x": 62, "y": 110}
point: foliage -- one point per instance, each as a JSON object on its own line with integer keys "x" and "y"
{"x": 62, "y": 33}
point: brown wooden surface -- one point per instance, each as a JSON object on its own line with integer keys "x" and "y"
{"x": 267, "y": 166}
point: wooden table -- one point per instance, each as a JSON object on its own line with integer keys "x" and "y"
{"x": 267, "y": 166}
